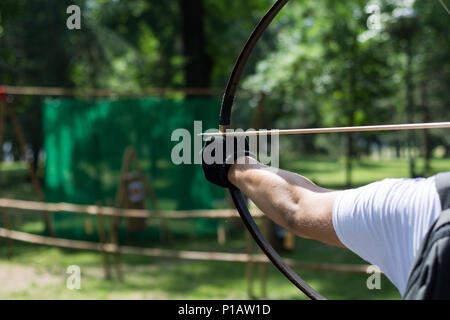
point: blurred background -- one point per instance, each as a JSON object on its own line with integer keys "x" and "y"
{"x": 87, "y": 115}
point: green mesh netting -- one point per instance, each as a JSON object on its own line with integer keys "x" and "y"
{"x": 84, "y": 144}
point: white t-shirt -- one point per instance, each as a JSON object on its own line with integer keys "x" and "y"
{"x": 384, "y": 223}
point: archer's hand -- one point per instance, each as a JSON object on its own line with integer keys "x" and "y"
{"x": 216, "y": 161}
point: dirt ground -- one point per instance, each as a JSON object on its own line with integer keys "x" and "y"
{"x": 17, "y": 277}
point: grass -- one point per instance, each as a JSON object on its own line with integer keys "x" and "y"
{"x": 39, "y": 272}
{"x": 331, "y": 174}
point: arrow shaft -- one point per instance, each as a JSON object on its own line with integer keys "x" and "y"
{"x": 388, "y": 127}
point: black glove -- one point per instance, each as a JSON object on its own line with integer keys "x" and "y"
{"x": 216, "y": 168}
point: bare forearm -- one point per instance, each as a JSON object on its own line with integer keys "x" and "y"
{"x": 289, "y": 199}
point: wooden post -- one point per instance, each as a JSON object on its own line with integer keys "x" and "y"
{"x": 34, "y": 179}
{"x": 114, "y": 239}
{"x": 18, "y": 220}
{"x": 124, "y": 197}
{"x": 165, "y": 231}
{"x": 250, "y": 265}
{"x": 257, "y": 123}
{"x": 289, "y": 241}
{"x": 9, "y": 242}
{"x": 129, "y": 157}
{"x": 165, "y": 234}
{"x": 2, "y": 127}
{"x": 259, "y": 113}
{"x": 263, "y": 266}
{"x": 2, "y": 130}
{"x": 102, "y": 236}
{"x": 221, "y": 233}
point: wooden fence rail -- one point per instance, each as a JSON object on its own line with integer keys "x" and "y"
{"x": 111, "y": 245}
{"x": 177, "y": 254}
{"x": 129, "y": 213}
{"x": 92, "y": 92}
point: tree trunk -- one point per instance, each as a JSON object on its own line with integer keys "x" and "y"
{"x": 398, "y": 148}
{"x": 351, "y": 113}
{"x": 198, "y": 66}
{"x": 198, "y": 62}
{"x": 428, "y": 148}
{"x": 447, "y": 149}
{"x": 35, "y": 163}
{"x": 349, "y": 161}
{"x": 410, "y": 108}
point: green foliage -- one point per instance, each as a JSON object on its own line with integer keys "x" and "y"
{"x": 318, "y": 62}
{"x": 321, "y": 74}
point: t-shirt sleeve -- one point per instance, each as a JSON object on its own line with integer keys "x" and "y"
{"x": 385, "y": 221}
